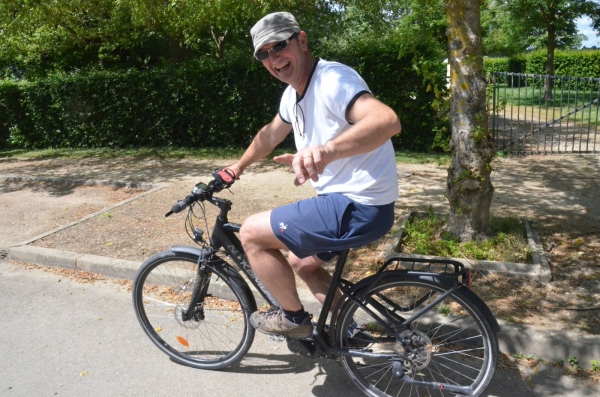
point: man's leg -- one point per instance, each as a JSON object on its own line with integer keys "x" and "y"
{"x": 273, "y": 270}
{"x": 262, "y": 248}
{"x": 311, "y": 271}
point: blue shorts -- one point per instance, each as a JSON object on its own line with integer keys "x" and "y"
{"x": 329, "y": 223}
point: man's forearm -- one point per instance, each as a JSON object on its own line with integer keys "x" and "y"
{"x": 365, "y": 136}
{"x": 263, "y": 143}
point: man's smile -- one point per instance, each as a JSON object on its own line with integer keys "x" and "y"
{"x": 282, "y": 67}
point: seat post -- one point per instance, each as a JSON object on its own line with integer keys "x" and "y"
{"x": 335, "y": 278}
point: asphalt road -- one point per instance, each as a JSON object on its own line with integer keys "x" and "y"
{"x": 59, "y": 337}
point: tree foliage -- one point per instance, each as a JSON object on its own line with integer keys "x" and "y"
{"x": 512, "y": 27}
{"x": 45, "y": 35}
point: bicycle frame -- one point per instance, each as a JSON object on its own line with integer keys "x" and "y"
{"x": 224, "y": 235}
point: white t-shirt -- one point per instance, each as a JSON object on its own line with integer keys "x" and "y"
{"x": 321, "y": 115}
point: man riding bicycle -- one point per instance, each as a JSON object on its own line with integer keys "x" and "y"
{"x": 342, "y": 136}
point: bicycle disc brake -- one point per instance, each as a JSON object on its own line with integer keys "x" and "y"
{"x": 192, "y": 323}
{"x": 417, "y": 348}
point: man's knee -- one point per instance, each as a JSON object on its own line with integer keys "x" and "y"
{"x": 256, "y": 231}
{"x": 248, "y": 232}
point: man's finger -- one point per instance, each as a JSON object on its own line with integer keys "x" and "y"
{"x": 284, "y": 158}
{"x": 310, "y": 167}
{"x": 318, "y": 161}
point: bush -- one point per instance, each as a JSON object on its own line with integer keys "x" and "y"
{"x": 584, "y": 63}
{"x": 198, "y": 104}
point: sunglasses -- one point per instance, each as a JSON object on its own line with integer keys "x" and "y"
{"x": 282, "y": 45}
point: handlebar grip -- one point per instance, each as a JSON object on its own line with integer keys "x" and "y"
{"x": 182, "y": 204}
{"x": 225, "y": 176}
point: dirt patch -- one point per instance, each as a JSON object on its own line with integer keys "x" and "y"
{"x": 31, "y": 208}
{"x": 139, "y": 229}
{"x": 560, "y": 194}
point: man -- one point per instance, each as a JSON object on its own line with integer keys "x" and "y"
{"x": 342, "y": 135}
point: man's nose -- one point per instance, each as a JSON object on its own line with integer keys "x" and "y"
{"x": 273, "y": 54}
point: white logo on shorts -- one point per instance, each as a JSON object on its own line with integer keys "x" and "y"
{"x": 282, "y": 227}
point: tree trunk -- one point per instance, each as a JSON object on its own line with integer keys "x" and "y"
{"x": 550, "y": 61}
{"x": 219, "y": 41}
{"x": 470, "y": 188}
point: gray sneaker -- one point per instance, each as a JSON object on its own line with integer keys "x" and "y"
{"x": 274, "y": 322}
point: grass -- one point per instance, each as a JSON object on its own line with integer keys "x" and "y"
{"x": 171, "y": 153}
{"x": 507, "y": 243}
{"x": 563, "y": 102}
{"x": 528, "y": 96}
{"x": 405, "y": 157}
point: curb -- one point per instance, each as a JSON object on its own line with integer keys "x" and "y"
{"x": 539, "y": 269}
{"x": 549, "y": 344}
{"x": 513, "y": 339}
{"x": 108, "y": 267}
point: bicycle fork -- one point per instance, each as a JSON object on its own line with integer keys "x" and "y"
{"x": 199, "y": 289}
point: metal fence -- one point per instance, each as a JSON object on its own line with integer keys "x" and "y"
{"x": 542, "y": 114}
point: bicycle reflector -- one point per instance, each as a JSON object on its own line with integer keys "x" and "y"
{"x": 183, "y": 341}
{"x": 468, "y": 278}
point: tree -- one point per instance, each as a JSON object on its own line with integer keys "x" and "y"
{"x": 74, "y": 34}
{"x": 505, "y": 36}
{"x": 470, "y": 189}
{"x": 548, "y": 22}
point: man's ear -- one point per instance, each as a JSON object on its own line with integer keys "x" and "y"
{"x": 303, "y": 40}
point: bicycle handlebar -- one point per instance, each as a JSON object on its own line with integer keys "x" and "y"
{"x": 223, "y": 179}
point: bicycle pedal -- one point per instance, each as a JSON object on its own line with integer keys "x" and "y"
{"x": 276, "y": 337}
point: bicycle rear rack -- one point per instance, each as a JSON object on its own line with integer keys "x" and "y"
{"x": 437, "y": 267}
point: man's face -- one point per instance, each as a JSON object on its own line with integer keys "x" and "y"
{"x": 288, "y": 65}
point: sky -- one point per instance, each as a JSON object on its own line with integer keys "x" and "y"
{"x": 583, "y": 25}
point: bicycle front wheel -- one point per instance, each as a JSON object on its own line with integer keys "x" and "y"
{"x": 217, "y": 333}
{"x": 450, "y": 343}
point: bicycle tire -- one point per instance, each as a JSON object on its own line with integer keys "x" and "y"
{"x": 219, "y": 339}
{"x": 454, "y": 343}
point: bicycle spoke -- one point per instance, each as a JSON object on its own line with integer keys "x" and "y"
{"x": 216, "y": 332}
{"x": 437, "y": 348}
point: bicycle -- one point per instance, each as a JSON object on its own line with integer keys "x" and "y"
{"x": 412, "y": 327}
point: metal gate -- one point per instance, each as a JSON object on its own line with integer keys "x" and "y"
{"x": 542, "y": 114}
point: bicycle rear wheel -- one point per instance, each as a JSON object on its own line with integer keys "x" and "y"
{"x": 450, "y": 343}
{"x": 218, "y": 333}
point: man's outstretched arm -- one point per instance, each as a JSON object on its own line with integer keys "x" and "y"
{"x": 373, "y": 124}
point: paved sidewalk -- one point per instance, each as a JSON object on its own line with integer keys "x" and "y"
{"x": 515, "y": 338}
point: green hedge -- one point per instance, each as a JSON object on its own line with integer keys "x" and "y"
{"x": 197, "y": 105}
{"x": 585, "y": 63}
{"x": 206, "y": 104}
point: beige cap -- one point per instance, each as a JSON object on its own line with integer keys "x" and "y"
{"x": 272, "y": 28}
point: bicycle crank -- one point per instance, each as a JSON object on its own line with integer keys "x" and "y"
{"x": 304, "y": 348}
